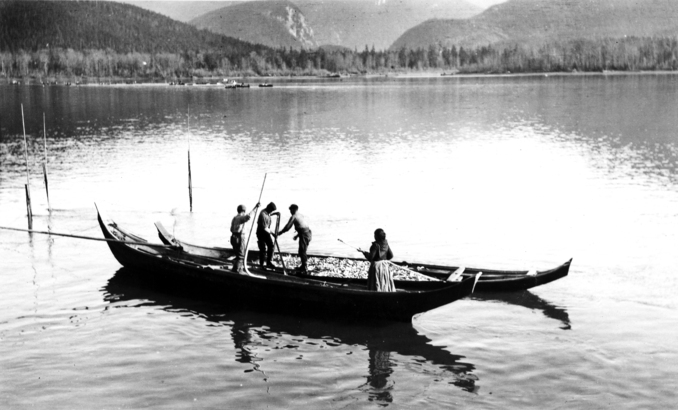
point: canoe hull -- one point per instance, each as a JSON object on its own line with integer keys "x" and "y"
{"x": 168, "y": 269}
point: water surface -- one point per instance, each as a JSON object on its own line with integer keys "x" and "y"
{"x": 499, "y": 172}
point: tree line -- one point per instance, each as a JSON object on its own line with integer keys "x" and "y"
{"x": 627, "y": 54}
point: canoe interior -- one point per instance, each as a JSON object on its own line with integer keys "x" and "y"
{"x": 491, "y": 280}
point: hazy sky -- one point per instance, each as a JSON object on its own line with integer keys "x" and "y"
{"x": 485, "y": 3}
{"x": 481, "y": 3}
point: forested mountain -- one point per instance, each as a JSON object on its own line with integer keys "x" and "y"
{"x": 535, "y": 22}
{"x": 356, "y": 24}
{"x": 81, "y": 25}
{"x": 183, "y": 11}
{"x": 347, "y": 23}
{"x": 273, "y": 23}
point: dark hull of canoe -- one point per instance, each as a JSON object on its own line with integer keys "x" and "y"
{"x": 490, "y": 281}
{"x": 169, "y": 269}
{"x": 504, "y": 281}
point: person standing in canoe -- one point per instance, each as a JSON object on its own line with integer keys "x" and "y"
{"x": 264, "y": 239}
{"x": 238, "y": 238}
{"x": 379, "y": 276}
{"x": 303, "y": 233}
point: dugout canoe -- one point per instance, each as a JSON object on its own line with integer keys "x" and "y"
{"x": 173, "y": 267}
{"x": 491, "y": 280}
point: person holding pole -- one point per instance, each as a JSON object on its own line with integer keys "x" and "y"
{"x": 303, "y": 233}
{"x": 238, "y": 240}
{"x": 379, "y": 276}
{"x": 264, "y": 233}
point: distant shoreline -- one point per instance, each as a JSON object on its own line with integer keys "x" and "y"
{"x": 254, "y": 81}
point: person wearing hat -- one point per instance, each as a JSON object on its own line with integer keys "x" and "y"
{"x": 303, "y": 233}
{"x": 238, "y": 239}
{"x": 264, "y": 239}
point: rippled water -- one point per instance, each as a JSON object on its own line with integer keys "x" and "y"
{"x": 503, "y": 172}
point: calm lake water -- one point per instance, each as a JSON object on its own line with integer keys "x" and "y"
{"x": 496, "y": 172}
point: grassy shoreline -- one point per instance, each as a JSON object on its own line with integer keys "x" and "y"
{"x": 254, "y": 81}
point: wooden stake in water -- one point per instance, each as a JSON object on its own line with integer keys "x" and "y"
{"x": 28, "y": 181}
{"x": 190, "y": 182}
{"x": 29, "y": 211}
{"x": 44, "y": 164}
{"x": 23, "y": 123}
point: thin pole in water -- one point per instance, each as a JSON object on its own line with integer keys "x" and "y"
{"x": 190, "y": 181}
{"x": 29, "y": 210}
{"x": 44, "y": 164}
{"x": 23, "y": 123}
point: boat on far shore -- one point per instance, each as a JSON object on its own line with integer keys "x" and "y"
{"x": 235, "y": 84}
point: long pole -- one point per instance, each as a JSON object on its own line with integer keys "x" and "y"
{"x": 90, "y": 238}
{"x": 29, "y": 209}
{"x": 44, "y": 164}
{"x": 190, "y": 181}
{"x": 254, "y": 220}
{"x": 275, "y": 241}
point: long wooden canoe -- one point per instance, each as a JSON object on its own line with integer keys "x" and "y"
{"x": 329, "y": 297}
{"x": 491, "y": 280}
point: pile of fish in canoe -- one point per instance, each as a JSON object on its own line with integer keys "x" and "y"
{"x": 344, "y": 268}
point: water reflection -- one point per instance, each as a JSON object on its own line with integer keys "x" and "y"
{"x": 530, "y": 301}
{"x": 386, "y": 343}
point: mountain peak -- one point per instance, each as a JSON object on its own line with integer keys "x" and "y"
{"x": 277, "y": 23}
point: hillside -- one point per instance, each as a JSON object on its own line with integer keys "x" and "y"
{"x": 356, "y": 24}
{"x": 273, "y": 23}
{"x": 85, "y": 25}
{"x": 183, "y": 11}
{"x": 541, "y": 21}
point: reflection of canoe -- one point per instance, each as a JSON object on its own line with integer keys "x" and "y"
{"x": 399, "y": 342}
{"x": 529, "y": 300}
{"x": 328, "y": 297}
{"x": 490, "y": 281}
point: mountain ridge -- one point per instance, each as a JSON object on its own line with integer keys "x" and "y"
{"x": 533, "y": 22}
{"x": 277, "y": 23}
{"x": 79, "y": 25}
{"x": 357, "y": 24}
{"x": 352, "y": 24}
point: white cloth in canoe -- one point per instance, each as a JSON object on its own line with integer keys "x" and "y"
{"x": 379, "y": 277}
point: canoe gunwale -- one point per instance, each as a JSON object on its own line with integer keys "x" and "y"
{"x": 492, "y": 280}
